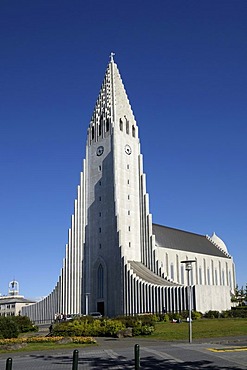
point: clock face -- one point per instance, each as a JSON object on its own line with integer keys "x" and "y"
{"x": 100, "y": 150}
{"x": 127, "y": 149}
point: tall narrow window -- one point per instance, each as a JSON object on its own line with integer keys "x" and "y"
{"x": 227, "y": 282}
{"x": 100, "y": 125}
{"x": 182, "y": 273}
{"x": 172, "y": 271}
{"x": 205, "y": 271}
{"x": 127, "y": 127}
{"x": 92, "y": 132}
{"x": 212, "y": 271}
{"x": 208, "y": 271}
{"x": 121, "y": 124}
{"x": 230, "y": 279}
{"x": 215, "y": 277}
{"x": 200, "y": 275}
{"x": 100, "y": 280}
{"x": 177, "y": 268}
{"x": 133, "y": 131}
{"x": 107, "y": 124}
{"x": 220, "y": 277}
{"x": 167, "y": 264}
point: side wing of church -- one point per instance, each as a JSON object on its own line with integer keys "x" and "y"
{"x": 117, "y": 261}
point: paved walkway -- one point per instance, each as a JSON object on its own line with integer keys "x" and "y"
{"x": 114, "y": 354}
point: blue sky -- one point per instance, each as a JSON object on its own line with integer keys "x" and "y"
{"x": 184, "y": 67}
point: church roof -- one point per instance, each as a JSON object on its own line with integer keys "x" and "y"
{"x": 171, "y": 238}
{"x": 217, "y": 240}
{"x": 149, "y": 276}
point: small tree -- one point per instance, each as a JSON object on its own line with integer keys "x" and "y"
{"x": 240, "y": 295}
{"x": 8, "y": 328}
{"x": 24, "y": 324}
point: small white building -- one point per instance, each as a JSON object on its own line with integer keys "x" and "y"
{"x": 11, "y": 304}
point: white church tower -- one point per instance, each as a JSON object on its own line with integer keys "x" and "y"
{"x": 119, "y": 226}
{"x": 117, "y": 262}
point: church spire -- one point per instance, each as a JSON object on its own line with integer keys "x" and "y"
{"x": 112, "y": 106}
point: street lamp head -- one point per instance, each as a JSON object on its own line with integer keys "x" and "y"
{"x": 188, "y": 264}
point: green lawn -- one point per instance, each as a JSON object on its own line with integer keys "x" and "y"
{"x": 204, "y": 328}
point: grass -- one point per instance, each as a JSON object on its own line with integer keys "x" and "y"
{"x": 204, "y": 328}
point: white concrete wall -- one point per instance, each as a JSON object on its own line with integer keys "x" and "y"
{"x": 210, "y": 297}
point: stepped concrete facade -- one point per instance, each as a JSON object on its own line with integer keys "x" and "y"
{"x": 117, "y": 261}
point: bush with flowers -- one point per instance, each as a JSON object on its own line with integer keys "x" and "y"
{"x": 78, "y": 340}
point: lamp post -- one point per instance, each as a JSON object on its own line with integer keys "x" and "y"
{"x": 188, "y": 268}
{"x": 86, "y": 303}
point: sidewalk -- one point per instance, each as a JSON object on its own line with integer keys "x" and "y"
{"x": 115, "y": 353}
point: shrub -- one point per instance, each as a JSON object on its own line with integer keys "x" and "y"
{"x": 8, "y": 328}
{"x": 239, "y": 312}
{"x": 141, "y": 325}
{"x": 174, "y": 316}
{"x": 94, "y": 327}
{"x": 196, "y": 315}
{"x": 164, "y": 317}
{"x": 112, "y": 327}
{"x": 24, "y": 324}
{"x": 212, "y": 314}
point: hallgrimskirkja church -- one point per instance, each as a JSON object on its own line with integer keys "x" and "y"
{"x": 117, "y": 261}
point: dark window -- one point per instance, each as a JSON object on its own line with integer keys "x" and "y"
{"x": 100, "y": 125}
{"x": 100, "y": 290}
{"x": 127, "y": 127}
{"x": 121, "y": 124}
{"x": 107, "y": 124}
{"x": 133, "y": 131}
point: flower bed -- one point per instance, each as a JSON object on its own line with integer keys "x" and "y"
{"x": 79, "y": 340}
